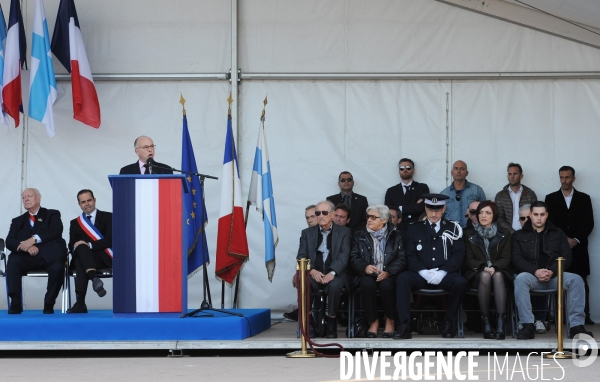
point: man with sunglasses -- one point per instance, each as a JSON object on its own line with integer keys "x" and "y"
{"x": 357, "y": 203}
{"x": 434, "y": 256}
{"x": 512, "y": 197}
{"x": 461, "y": 193}
{"x": 408, "y": 194}
{"x": 571, "y": 210}
{"x": 327, "y": 246}
{"x": 144, "y": 148}
{"x": 471, "y": 214}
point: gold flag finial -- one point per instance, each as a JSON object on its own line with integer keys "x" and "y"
{"x": 230, "y": 101}
{"x": 182, "y": 102}
{"x": 265, "y": 102}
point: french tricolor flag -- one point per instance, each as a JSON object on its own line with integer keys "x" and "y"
{"x": 14, "y": 60}
{"x": 232, "y": 244}
{"x": 148, "y": 275}
{"x": 67, "y": 46}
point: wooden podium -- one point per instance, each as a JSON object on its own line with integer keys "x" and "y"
{"x": 150, "y": 254}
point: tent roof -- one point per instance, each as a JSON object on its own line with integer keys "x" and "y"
{"x": 583, "y": 12}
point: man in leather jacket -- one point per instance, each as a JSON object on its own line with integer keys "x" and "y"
{"x": 535, "y": 250}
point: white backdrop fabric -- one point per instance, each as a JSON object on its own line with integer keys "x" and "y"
{"x": 315, "y": 129}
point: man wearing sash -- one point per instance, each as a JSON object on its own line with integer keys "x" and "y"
{"x": 90, "y": 242}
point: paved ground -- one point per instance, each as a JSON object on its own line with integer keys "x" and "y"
{"x": 244, "y": 366}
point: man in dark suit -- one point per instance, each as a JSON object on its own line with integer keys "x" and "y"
{"x": 434, "y": 255}
{"x": 571, "y": 211}
{"x": 327, "y": 246}
{"x": 358, "y": 204}
{"x": 144, "y": 148}
{"x": 408, "y": 194}
{"x": 35, "y": 241}
{"x": 90, "y": 242}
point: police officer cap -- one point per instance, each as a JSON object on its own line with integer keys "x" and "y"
{"x": 435, "y": 201}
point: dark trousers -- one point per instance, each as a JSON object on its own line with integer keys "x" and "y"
{"x": 408, "y": 281}
{"x": 333, "y": 291}
{"x": 368, "y": 293}
{"x": 19, "y": 264}
{"x": 84, "y": 258}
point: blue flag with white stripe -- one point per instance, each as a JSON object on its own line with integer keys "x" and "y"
{"x": 261, "y": 195}
{"x": 42, "y": 81}
{"x": 197, "y": 219}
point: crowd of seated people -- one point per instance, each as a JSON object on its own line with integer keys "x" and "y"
{"x": 452, "y": 241}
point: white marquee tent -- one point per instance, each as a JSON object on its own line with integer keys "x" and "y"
{"x": 352, "y": 85}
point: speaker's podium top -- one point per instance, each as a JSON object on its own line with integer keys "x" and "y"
{"x": 185, "y": 181}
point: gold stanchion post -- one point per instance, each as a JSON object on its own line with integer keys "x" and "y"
{"x": 303, "y": 265}
{"x": 559, "y": 353}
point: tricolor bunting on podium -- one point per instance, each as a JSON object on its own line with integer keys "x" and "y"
{"x": 150, "y": 277}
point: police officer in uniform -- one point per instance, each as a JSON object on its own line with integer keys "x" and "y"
{"x": 434, "y": 255}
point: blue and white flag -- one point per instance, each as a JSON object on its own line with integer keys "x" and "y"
{"x": 261, "y": 195}
{"x": 42, "y": 81}
{"x": 3, "y": 119}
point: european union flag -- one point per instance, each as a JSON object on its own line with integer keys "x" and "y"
{"x": 194, "y": 202}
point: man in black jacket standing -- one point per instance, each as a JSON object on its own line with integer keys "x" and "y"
{"x": 571, "y": 210}
{"x": 407, "y": 195}
{"x": 90, "y": 242}
{"x": 35, "y": 241}
{"x": 357, "y": 203}
{"x": 535, "y": 250}
{"x": 144, "y": 148}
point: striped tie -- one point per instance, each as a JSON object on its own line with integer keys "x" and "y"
{"x": 31, "y": 220}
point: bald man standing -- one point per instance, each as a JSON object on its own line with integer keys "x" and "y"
{"x": 461, "y": 193}
{"x": 144, "y": 148}
{"x": 35, "y": 241}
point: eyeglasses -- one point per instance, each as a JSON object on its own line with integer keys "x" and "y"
{"x": 325, "y": 213}
{"x": 407, "y": 168}
{"x": 472, "y": 212}
{"x": 523, "y": 218}
{"x": 344, "y": 180}
{"x": 457, "y": 197}
{"x": 147, "y": 147}
{"x": 373, "y": 217}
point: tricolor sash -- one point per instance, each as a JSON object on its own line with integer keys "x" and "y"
{"x": 93, "y": 232}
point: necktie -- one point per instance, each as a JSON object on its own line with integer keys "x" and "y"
{"x": 31, "y": 220}
{"x": 90, "y": 218}
{"x": 347, "y": 200}
{"x": 433, "y": 228}
{"x": 147, "y": 171}
{"x": 406, "y": 189}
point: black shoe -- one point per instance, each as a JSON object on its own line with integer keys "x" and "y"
{"x": 579, "y": 329}
{"x": 98, "y": 287}
{"x": 293, "y": 315}
{"x": 403, "y": 332}
{"x": 488, "y": 332}
{"x": 331, "y": 328}
{"x": 15, "y": 308}
{"x": 527, "y": 332}
{"x": 79, "y": 307}
{"x": 501, "y": 327}
{"x": 48, "y": 308}
{"x": 371, "y": 334}
{"x": 588, "y": 321}
{"x": 387, "y": 334}
{"x": 448, "y": 331}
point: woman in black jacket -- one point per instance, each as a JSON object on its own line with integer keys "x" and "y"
{"x": 487, "y": 266}
{"x": 376, "y": 258}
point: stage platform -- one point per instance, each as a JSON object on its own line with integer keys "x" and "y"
{"x": 197, "y": 334}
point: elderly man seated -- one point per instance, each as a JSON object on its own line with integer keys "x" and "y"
{"x": 35, "y": 241}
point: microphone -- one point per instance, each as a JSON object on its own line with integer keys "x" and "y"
{"x": 151, "y": 164}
